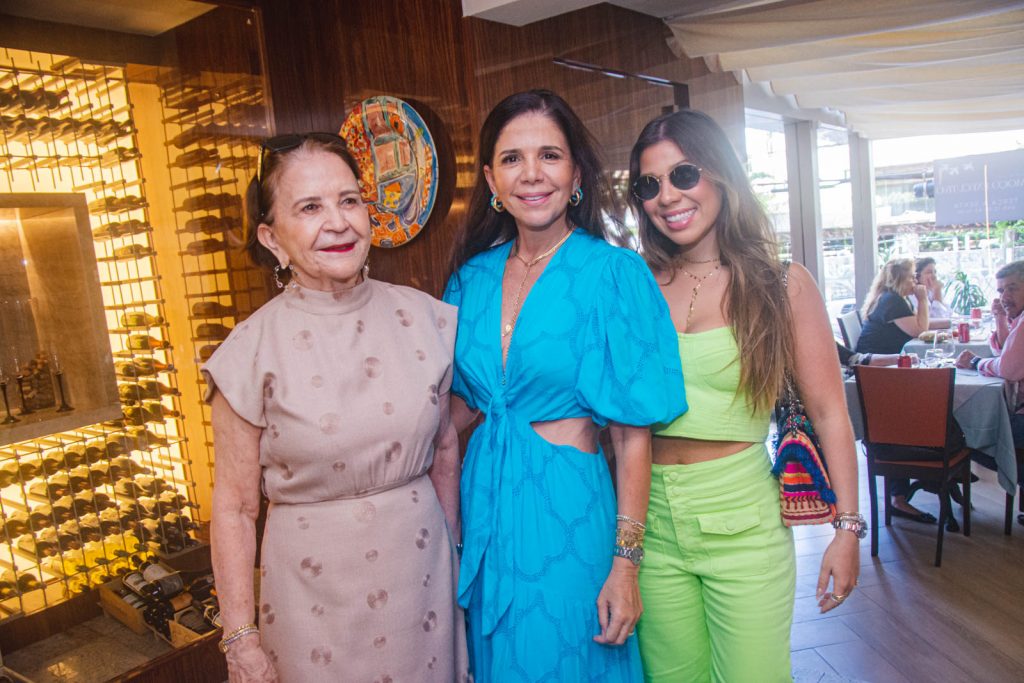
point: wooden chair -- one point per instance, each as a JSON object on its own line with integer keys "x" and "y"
{"x": 850, "y": 325}
{"x": 909, "y": 432}
{"x": 1008, "y": 523}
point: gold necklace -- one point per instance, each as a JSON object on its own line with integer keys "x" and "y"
{"x": 700, "y": 282}
{"x": 517, "y": 303}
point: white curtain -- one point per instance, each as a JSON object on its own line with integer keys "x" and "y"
{"x": 893, "y": 68}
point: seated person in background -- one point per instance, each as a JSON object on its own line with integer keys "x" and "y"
{"x": 924, "y": 274}
{"x": 1007, "y": 341}
{"x": 889, "y": 323}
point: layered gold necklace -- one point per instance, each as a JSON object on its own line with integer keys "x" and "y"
{"x": 517, "y": 303}
{"x": 700, "y": 282}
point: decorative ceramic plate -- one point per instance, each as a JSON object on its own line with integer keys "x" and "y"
{"x": 398, "y": 167}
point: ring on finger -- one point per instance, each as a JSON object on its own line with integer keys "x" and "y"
{"x": 837, "y": 598}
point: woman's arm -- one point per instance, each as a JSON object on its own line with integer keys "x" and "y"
{"x": 820, "y": 384}
{"x": 446, "y": 468}
{"x": 462, "y": 416}
{"x": 918, "y": 323}
{"x": 618, "y": 605}
{"x": 236, "y": 503}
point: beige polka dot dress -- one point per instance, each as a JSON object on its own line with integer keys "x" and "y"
{"x": 357, "y": 564}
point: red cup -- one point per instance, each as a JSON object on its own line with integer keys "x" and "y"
{"x": 975, "y": 314}
{"x": 965, "y": 332}
{"x": 903, "y": 361}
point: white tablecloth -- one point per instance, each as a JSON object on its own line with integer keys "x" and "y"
{"x": 979, "y": 347}
{"x": 981, "y": 406}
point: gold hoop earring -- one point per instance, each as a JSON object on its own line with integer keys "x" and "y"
{"x": 576, "y": 197}
{"x": 496, "y": 203}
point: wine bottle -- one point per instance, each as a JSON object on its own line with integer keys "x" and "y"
{"x": 8, "y": 584}
{"x": 132, "y": 251}
{"x": 88, "y": 502}
{"x": 123, "y": 466}
{"x": 211, "y": 309}
{"x": 134, "y": 581}
{"x": 140, "y": 319}
{"x": 157, "y": 616}
{"x": 206, "y": 352}
{"x": 201, "y": 587}
{"x": 54, "y": 462}
{"x": 80, "y": 479}
{"x": 193, "y": 620}
{"x": 29, "y": 469}
{"x": 208, "y": 224}
{"x": 110, "y": 522}
{"x": 52, "y": 487}
{"x": 210, "y": 245}
{"x": 210, "y": 201}
{"x": 43, "y": 544}
{"x": 63, "y": 508}
{"x": 17, "y": 523}
{"x": 212, "y": 331}
{"x": 194, "y": 157}
{"x": 121, "y": 229}
{"x": 144, "y": 389}
{"x": 145, "y": 439}
{"x": 9, "y": 473}
{"x": 28, "y": 582}
{"x": 161, "y": 583}
{"x": 40, "y": 517}
{"x": 146, "y": 342}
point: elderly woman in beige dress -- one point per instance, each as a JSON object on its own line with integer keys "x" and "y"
{"x": 334, "y": 398}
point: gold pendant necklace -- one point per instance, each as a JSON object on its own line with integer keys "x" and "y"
{"x": 517, "y": 303}
{"x": 700, "y": 282}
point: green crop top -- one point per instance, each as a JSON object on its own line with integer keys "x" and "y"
{"x": 711, "y": 371}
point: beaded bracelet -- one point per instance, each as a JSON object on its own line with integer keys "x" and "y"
{"x": 237, "y": 634}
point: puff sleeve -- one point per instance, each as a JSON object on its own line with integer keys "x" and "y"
{"x": 630, "y": 371}
{"x": 235, "y": 371}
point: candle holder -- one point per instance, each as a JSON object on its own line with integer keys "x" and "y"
{"x": 64, "y": 406}
{"x": 10, "y": 419}
{"x": 25, "y": 410}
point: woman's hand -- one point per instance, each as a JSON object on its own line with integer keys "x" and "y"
{"x": 248, "y": 663}
{"x": 618, "y": 605}
{"x": 841, "y": 563}
{"x": 921, "y": 292}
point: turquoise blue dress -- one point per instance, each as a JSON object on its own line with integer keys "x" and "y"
{"x": 594, "y": 339}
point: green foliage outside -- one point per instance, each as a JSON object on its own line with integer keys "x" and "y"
{"x": 961, "y": 294}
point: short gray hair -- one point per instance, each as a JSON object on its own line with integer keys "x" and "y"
{"x": 1011, "y": 269}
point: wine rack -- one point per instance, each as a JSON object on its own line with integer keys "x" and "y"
{"x": 77, "y": 505}
{"x": 213, "y": 125}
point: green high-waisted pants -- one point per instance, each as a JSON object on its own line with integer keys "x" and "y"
{"x": 719, "y": 576}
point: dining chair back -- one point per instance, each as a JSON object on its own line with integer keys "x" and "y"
{"x": 849, "y": 325}
{"x": 909, "y": 432}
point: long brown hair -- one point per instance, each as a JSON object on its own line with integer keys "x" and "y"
{"x": 888, "y": 279}
{"x": 756, "y": 302}
{"x": 484, "y": 227}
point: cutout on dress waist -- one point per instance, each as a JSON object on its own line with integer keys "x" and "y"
{"x": 582, "y": 444}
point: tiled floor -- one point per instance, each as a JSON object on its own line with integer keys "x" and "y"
{"x": 906, "y": 622}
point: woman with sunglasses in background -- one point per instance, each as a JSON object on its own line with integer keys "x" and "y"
{"x": 334, "y": 397}
{"x": 718, "y": 581}
{"x": 560, "y": 334}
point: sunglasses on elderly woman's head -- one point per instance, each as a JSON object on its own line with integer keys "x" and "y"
{"x": 685, "y": 176}
{"x": 283, "y": 143}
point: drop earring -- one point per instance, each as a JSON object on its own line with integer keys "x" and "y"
{"x": 277, "y": 275}
{"x": 496, "y": 204}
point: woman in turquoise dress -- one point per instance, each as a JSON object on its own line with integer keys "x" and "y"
{"x": 560, "y": 334}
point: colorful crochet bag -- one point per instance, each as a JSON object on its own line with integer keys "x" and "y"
{"x": 805, "y": 492}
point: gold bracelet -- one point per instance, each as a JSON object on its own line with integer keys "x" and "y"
{"x": 632, "y": 522}
{"x": 237, "y": 634}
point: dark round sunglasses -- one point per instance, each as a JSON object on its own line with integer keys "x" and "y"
{"x": 685, "y": 176}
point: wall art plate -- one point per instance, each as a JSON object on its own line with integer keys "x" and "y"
{"x": 398, "y": 165}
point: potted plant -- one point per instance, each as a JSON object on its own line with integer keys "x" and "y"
{"x": 962, "y": 295}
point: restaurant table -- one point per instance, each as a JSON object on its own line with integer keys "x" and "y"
{"x": 979, "y": 347}
{"x": 981, "y": 407}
